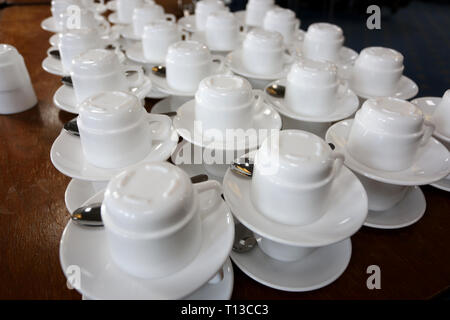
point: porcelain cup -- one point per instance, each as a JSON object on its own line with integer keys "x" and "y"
{"x": 263, "y": 52}
{"x": 87, "y": 19}
{"x": 226, "y": 102}
{"x": 256, "y": 10}
{"x": 223, "y": 31}
{"x": 377, "y": 71}
{"x": 157, "y": 38}
{"x": 283, "y": 21}
{"x": 292, "y": 177}
{"x": 323, "y": 41}
{"x": 387, "y": 134}
{"x": 125, "y": 10}
{"x": 189, "y": 62}
{"x": 16, "y": 90}
{"x": 203, "y": 9}
{"x": 75, "y": 42}
{"x": 59, "y": 7}
{"x": 152, "y": 217}
{"x": 116, "y": 131}
{"x": 312, "y": 87}
{"x": 99, "y": 70}
{"x": 146, "y": 14}
{"x": 441, "y": 115}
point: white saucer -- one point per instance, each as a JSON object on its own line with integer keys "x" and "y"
{"x": 406, "y": 89}
{"x": 234, "y": 61}
{"x": 344, "y": 216}
{"x": 135, "y": 52}
{"x": 127, "y": 32}
{"x": 427, "y": 105}
{"x": 345, "y": 105}
{"x": 54, "y": 66}
{"x": 67, "y": 156}
{"x": 170, "y": 104}
{"x": 162, "y": 85}
{"x": 432, "y": 164}
{"x": 102, "y": 279}
{"x": 317, "y": 270}
{"x": 50, "y": 25}
{"x": 111, "y": 37}
{"x": 192, "y": 169}
{"x": 80, "y": 191}
{"x": 346, "y": 58}
{"x": 267, "y": 118}
{"x": 66, "y": 100}
{"x": 407, "y": 212}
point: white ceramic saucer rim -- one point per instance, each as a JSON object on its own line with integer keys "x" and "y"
{"x": 48, "y": 24}
{"x": 247, "y": 74}
{"x": 145, "y": 87}
{"x": 443, "y": 184}
{"x": 188, "y": 109}
{"x": 397, "y": 93}
{"x": 413, "y": 192}
{"x": 72, "y": 198}
{"x": 46, "y": 65}
{"x": 138, "y": 47}
{"x": 226, "y": 239}
{"x": 272, "y": 284}
{"x": 305, "y": 235}
{"x": 377, "y": 175}
{"x": 161, "y": 83}
{"x": 65, "y": 138}
{"x": 127, "y": 32}
{"x": 280, "y": 106}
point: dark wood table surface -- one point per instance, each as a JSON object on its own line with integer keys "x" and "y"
{"x": 414, "y": 261}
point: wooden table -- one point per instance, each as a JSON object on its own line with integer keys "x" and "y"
{"x": 414, "y": 262}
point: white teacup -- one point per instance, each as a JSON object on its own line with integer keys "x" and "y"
{"x": 311, "y": 87}
{"x": 203, "y": 9}
{"x": 225, "y": 102}
{"x": 283, "y": 21}
{"x": 187, "y": 63}
{"x": 125, "y": 10}
{"x": 441, "y": 115}
{"x": 263, "y": 52}
{"x": 115, "y": 129}
{"x": 386, "y": 134}
{"x": 292, "y": 177}
{"x": 152, "y": 219}
{"x": 16, "y": 91}
{"x": 282, "y": 252}
{"x": 146, "y": 14}
{"x": 323, "y": 41}
{"x": 157, "y": 38}
{"x": 223, "y": 31}
{"x": 256, "y": 10}
{"x": 60, "y": 7}
{"x": 377, "y": 71}
{"x": 75, "y": 42}
{"x": 99, "y": 70}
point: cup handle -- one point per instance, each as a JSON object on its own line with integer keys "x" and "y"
{"x": 288, "y": 55}
{"x": 140, "y": 72}
{"x": 170, "y": 17}
{"x": 184, "y": 35}
{"x": 163, "y": 131}
{"x": 297, "y": 24}
{"x": 217, "y": 278}
{"x": 221, "y": 61}
{"x": 428, "y": 132}
{"x": 339, "y": 159}
{"x": 259, "y": 99}
{"x": 206, "y": 186}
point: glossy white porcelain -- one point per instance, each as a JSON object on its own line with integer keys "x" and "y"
{"x": 156, "y": 39}
{"x": 125, "y": 10}
{"x": 146, "y": 14}
{"x": 441, "y": 115}
{"x": 283, "y": 21}
{"x": 204, "y": 8}
{"x": 323, "y": 41}
{"x": 256, "y": 10}
{"x": 223, "y": 31}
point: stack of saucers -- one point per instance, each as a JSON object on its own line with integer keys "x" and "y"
{"x": 301, "y": 206}
{"x": 389, "y": 144}
{"x": 437, "y": 110}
